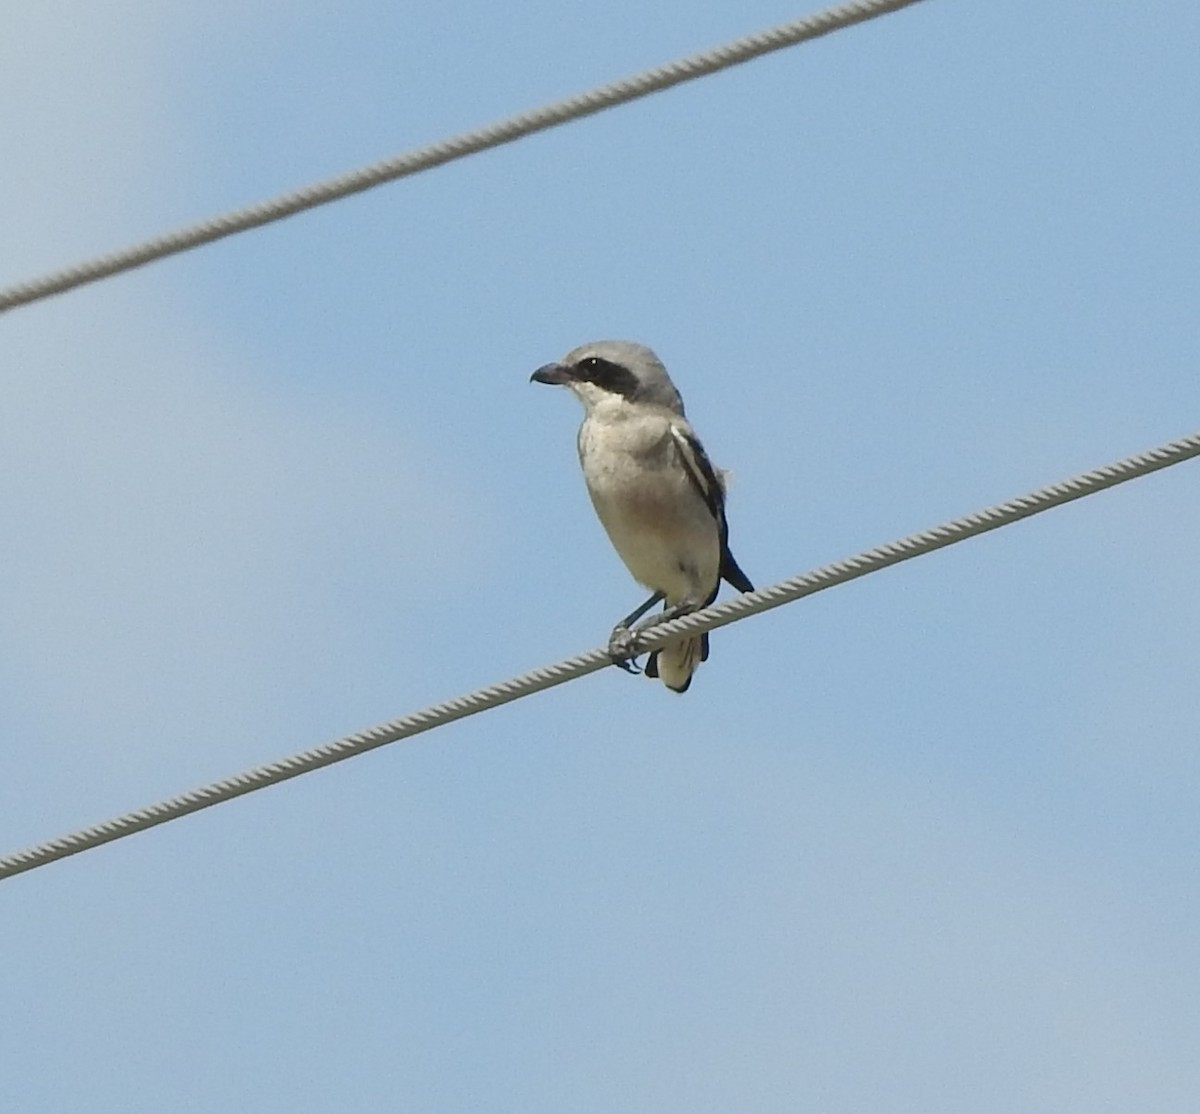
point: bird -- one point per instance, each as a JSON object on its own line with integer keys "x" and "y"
{"x": 656, "y": 493}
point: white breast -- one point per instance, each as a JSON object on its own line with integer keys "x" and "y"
{"x": 655, "y": 518}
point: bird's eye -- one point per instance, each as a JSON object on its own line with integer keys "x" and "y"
{"x": 589, "y": 368}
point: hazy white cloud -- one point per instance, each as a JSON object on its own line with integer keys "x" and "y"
{"x": 183, "y": 533}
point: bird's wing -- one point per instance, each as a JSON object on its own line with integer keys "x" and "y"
{"x": 707, "y": 482}
{"x": 701, "y": 472}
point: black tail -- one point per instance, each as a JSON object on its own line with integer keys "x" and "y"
{"x": 732, "y": 574}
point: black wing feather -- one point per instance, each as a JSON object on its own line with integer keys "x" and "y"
{"x": 709, "y": 487}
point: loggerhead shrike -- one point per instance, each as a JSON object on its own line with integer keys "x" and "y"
{"x": 655, "y": 491}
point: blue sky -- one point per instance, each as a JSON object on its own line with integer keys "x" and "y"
{"x": 924, "y": 842}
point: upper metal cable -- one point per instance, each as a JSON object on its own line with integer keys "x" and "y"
{"x": 469, "y": 143}
{"x": 719, "y": 615}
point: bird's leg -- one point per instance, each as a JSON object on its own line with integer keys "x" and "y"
{"x": 637, "y": 613}
{"x": 684, "y": 607}
{"x": 620, "y": 642}
{"x": 624, "y": 638}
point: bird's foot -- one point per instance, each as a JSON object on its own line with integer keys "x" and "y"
{"x": 622, "y": 648}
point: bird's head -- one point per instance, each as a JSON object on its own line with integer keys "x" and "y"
{"x": 613, "y": 370}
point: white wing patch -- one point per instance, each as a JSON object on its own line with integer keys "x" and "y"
{"x": 707, "y": 480}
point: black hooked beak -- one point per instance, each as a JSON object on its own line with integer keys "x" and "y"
{"x": 554, "y": 374}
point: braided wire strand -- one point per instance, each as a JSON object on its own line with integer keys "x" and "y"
{"x": 719, "y": 615}
{"x": 927, "y": 541}
{"x": 458, "y": 147}
{"x": 272, "y": 773}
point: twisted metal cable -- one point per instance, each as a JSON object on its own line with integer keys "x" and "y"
{"x": 460, "y": 146}
{"x": 437, "y": 715}
{"x": 719, "y": 615}
{"x": 916, "y": 545}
